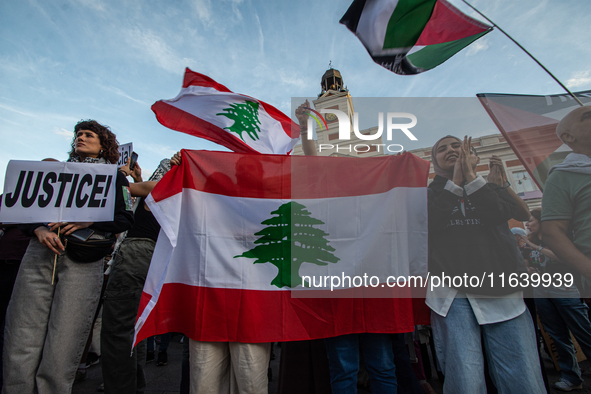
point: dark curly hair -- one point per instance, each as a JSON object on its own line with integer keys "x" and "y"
{"x": 108, "y": 140}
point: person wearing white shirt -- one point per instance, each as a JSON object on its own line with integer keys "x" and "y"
{"x": 464, "y": 212}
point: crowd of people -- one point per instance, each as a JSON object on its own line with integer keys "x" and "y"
{"x": 486, "y": 339}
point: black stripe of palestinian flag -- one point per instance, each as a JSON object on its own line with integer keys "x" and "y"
{"x": 411, "y": 36}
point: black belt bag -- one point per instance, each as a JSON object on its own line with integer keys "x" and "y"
{"x": 88, "y": 251}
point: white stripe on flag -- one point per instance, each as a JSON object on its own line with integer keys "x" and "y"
{"x": 373, "y": 24}
{"x": 155, "y": 278}
{"x": 415, "y": 49}
{"x": 216, "y": 228}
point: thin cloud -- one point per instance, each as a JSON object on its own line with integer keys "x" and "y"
{"x": 156, "y": 50}
{"x": 59, "y": 29}
{"x": 261, "y": 35}
{"x": 477, "y": 46}
{"x": 535, "y": 11}
{"x": 158, "y": 150}
{"x": 292, "y": 79}
{"x": 579, "y": 78}
{"x": 39, "y": 8}
{"x": 18, "y": 111}
{"x": 235, "y": 9}
{"x": 67, "y": 134}
{"x": 93, "y": 4}
{"x": 203, "y": 8}
{"x": 26, "y": 65}
{"x": 37, "y": 115}
{"x": 6, "y": 120}
{"x": 121, "y": 93}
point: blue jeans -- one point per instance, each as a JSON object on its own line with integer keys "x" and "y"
{"x": 343, "y": 359}
{"x": 164, "y": 342}
{"x": 559, "y": 315}
{"x": 510, "y": 348}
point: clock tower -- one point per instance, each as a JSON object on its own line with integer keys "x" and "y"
{"x": 335, "y": 95}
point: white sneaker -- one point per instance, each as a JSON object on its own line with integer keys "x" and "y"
{"x": 565, "y": 385}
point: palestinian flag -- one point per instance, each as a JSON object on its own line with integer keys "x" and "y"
{"x": 247, "y": 241}
{"x": 411, "y": 36}
{"x": 528, "y": 123}
{"x": 207, "y": 109}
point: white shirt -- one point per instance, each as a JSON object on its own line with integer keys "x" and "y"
{"x": 487, "y": 309}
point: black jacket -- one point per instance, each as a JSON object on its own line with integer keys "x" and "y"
{"x": 464, "y": 238}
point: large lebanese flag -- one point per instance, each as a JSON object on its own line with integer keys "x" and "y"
{"x": 241, "y": 231}
{"x": 207, "y": 109}
{"x": 410, "y": 36}
{"x": 528, "y": 123}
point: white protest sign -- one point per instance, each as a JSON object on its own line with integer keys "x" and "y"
{"x": 124, "y": 153}
{"x": 46, "y": 192}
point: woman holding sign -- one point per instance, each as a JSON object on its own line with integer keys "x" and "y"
{"x": 59, "y": 282}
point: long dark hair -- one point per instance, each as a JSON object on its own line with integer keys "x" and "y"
{"x": 537, "y": 214}
{"x": 108, "y": 140}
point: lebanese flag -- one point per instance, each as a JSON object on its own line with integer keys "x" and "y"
{"x": 241, "y": 233}
{"x": 207, "y": 109}
{"x": 410, "y": 36}
{"x": 528, "y": 123}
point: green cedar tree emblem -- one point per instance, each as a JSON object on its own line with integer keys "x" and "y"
{"x": 245, "y": 117}
{"x": 289, "y": 240}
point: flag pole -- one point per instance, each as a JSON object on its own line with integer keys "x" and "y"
{"x": 525, "y": 50}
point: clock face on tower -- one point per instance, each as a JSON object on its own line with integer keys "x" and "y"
{"x": 330, "y": 117}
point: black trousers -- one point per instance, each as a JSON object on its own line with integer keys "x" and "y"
{"x": 123, "y": 370}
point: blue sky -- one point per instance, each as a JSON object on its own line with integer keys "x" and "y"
{"x": 66, "y": 60}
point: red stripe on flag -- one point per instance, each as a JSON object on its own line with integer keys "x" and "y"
{"x": 253, "y": 316}
{"x": 291, "y": 177}
{"x": 447, "y": 24}
{"x": 179, "y": 120}
{"x": 195, "y": 79}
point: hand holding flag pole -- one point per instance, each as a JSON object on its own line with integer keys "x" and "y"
{"x": 303, "y": 113}
{"x": 526, "y": 51}
{"x": 55, "y": 259}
